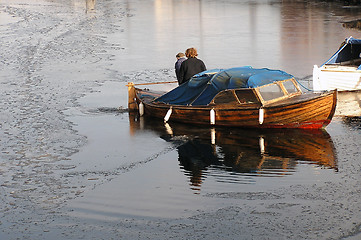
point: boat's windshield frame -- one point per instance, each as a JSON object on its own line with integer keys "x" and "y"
{"x": 264, "y": 95}
{"x": 277, "y": 91}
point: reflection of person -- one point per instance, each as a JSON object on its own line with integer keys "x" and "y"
{"x": 191, "y": 66}
{"x": 181, "y": 57}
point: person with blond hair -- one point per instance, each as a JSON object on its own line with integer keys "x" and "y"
{"x": 181, "y": 57}
{"x": 191, "y": 66}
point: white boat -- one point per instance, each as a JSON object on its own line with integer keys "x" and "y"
{"x": 342, "y": 71}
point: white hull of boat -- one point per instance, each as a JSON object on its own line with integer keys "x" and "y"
{"x": 342, "y": 78}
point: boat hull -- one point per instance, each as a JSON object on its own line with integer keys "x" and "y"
{"x": 308, "y": 111}
{"x": 342, "y": 78}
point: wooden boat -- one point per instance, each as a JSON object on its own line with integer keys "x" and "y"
{"x": 342, "y": 71}
{"x": 239, "y": 97}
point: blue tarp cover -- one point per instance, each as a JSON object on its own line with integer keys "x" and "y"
{"x": 203, "y": 87}
{"x": 350, "y": 49}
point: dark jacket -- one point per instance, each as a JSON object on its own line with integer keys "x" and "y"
{"x": 189, "y": 68}
{"x": 177, "y": 66}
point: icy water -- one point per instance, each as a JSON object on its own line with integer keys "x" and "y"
{"x": 75, "y": 165}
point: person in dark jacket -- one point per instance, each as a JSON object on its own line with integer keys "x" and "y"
{"x": 191, "y": 66}
{"x": 181, "y": 57}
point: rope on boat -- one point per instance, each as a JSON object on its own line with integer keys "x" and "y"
{"x": 297, "y": 80}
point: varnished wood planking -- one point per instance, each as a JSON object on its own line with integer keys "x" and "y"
{"x": 300, "y": 112}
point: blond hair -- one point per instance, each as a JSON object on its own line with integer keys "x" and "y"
{"x": 179, "y": 55}
{"x": 191, "y": 53}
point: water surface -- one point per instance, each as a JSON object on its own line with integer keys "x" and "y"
{"x": 75, "y": 165}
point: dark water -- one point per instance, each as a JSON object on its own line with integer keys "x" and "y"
{"x": 240, "y": 156}
{"x": 75, "y": 165}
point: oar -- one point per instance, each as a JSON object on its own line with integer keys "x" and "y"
{"x": 140, "y": 84}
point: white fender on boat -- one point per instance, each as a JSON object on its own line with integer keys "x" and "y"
{"x": 167, "y": 116}
{"x": 212, "y": 114}
{"x": 141, "y": 109}
{"x": 261, "y": 116}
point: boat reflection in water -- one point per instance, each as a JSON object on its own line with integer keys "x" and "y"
{"x": 238, "y": 155}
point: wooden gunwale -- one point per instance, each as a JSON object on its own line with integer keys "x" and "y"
{"x": 296, "y": 99}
